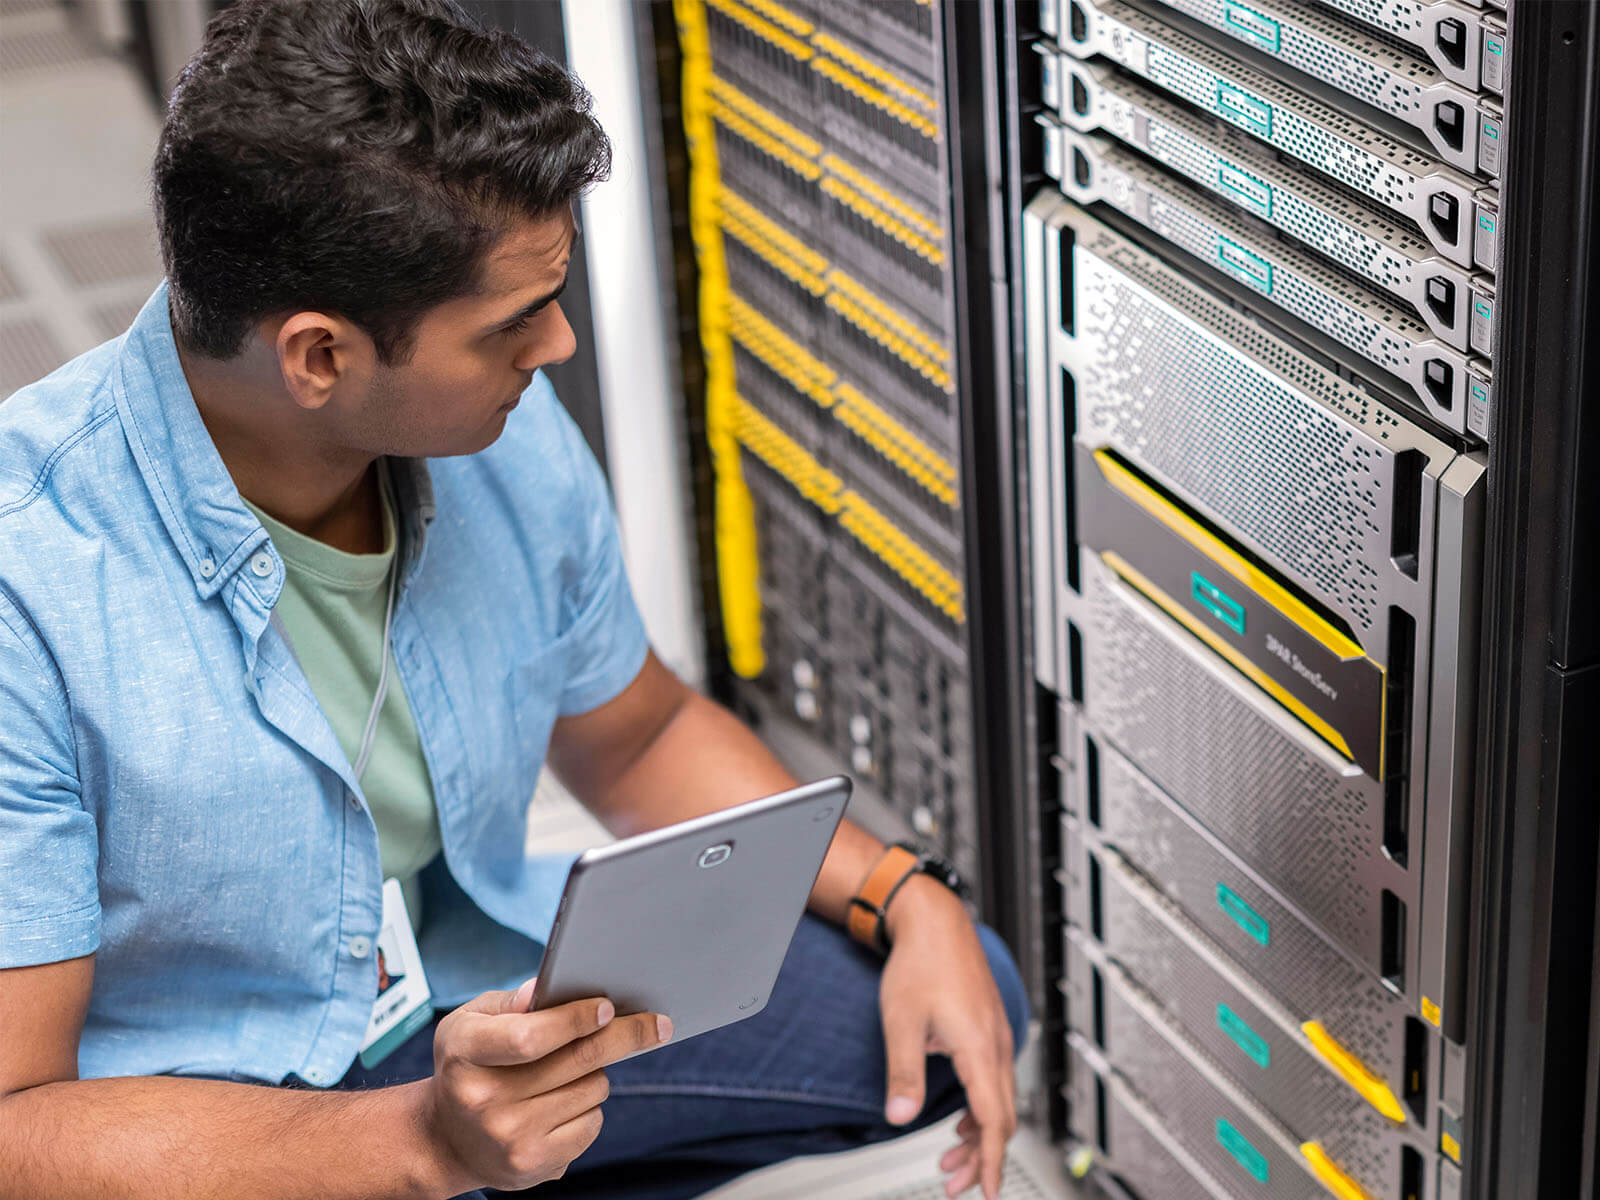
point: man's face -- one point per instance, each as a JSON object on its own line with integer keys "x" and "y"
{"x": 475, "y": 354}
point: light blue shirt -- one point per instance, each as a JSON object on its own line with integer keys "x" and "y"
{"x": 172, "y": 798}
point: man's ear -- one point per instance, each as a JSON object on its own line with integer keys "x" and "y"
{"x": 315, "y": 352}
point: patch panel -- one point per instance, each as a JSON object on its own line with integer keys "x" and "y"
{"x": 1462, "y": 127}
{"x": 1140, "y": 832}
{"x": 1297, "y": 1069}
{"x": 1371, "y": 521}
{"x": 1455, "y": 303}
{"x": 774, "y": 162}
{"x": 764, "y": 61}
{"x": 1437, "y": 377}
{"x": 1465, "y": 44}
{"x": 905, "y": 31}
{"x": 1440, "y": 200}
{"x": 887, "y": 248}
{"x": 886, "y": 125}
{"x": 1235, "y": 1138}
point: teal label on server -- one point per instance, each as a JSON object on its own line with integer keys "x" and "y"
{"x": 1260, "y": 31}
{"x": 1245, "y": 266}
{"x": 1244, "y": 109}
{"x": 1247, "y": 1039}
{"x": 1246, "y": 1155}
{"x": 1246, "y": 189}
{"x": 1217, "y": 602}
{"x": 1246, "y": 918}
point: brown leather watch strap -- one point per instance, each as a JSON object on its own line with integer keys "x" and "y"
{"x": 865, "y": 921}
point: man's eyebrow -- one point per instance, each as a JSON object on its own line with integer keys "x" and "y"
{"x": 533, "y": 306}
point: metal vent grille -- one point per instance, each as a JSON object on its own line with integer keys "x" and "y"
{"x": 105, "y": 252}
{"x": 28, "y": 351}
{"x": 113, "y": 317}
{"x": 1311, "y": 978}
{"x": 1164, "y": 704}
{"x": 9, "y": 289}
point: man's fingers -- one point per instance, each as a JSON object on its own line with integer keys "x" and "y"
{"x": 967, "y": 1126}
{"x": 996, "y": 1119}
{"x": 907, "y": 1046}
{"x": 622, "y": 1037}
{"x": 964, "y": 1177}
{"x": 507, "y": 1038}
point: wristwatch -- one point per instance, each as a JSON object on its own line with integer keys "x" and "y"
{"x": 868, "y": 909}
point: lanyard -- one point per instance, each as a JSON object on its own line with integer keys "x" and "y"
{"x": 370, "y": 733}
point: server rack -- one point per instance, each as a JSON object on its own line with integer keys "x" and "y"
{"x": 1234, "y": 369}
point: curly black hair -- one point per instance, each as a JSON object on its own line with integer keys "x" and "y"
{"x": 357, "y": 157}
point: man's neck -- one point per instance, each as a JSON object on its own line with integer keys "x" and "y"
{"x": 325, "y": 492}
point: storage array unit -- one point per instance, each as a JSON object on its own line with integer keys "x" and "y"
{"x": 820, "y": 198}
{"x": 1260, "y": 354}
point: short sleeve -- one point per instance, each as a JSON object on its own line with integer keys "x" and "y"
{"x": 605, "y": 638}
{"x": 49, "y": 894}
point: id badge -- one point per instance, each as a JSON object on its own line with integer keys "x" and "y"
{"x": 403, "y": 1005}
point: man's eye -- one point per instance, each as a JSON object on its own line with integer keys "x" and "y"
{"x": 517, "y": 326}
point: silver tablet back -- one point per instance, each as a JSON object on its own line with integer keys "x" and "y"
{"x": 693, "y": 920}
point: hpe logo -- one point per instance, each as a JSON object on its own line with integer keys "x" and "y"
{"x": 715, "y": 856}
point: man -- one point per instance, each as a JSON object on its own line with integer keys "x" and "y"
{"x": 302, "y": 582}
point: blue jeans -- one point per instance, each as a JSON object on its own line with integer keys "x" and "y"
{"x": 804, "y": 1076}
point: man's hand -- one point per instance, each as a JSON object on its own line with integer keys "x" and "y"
{"x": 516, "y": 1095}
{"x": 939, "y": 997}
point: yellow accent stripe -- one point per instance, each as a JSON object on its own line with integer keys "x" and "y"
{"x": 1330, "y": 1176}
{"x": 1451, "y": 1147}
{"x": 807, "y": 374}
{"x": 742, "y": 211}
{"x": 764, "y": 29}
{"x": 1354, "y": 1072}
{"x": 792, "y": 21}
{"x": 1219, "y": 552}
{"x": 788, "y": 458}
{"x": 862, "y": 65}
{"x": 865, "y": 183}
{"x": 870, "y": 212}
{"x": 876, "y": 97}
{"x": 766, "y": 143}
{"x": 759, "y": 114}
{"x": 896, "y": 443}
{"x": 1431, "y": 1011}
{"x": 903, "y": 556}
{"x": 1239, "y": 662}
{"x": 738, "y": 571}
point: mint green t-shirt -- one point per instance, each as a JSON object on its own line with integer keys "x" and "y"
{"x": 332, "y": 608}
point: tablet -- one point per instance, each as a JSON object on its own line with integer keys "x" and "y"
{"x": 692, "y": 920}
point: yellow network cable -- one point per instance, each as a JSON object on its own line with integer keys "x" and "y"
{"x": 806, "y": 373}
{"x": 903, "y": 556}
{"x": 886, "y": 337}
{"x": 889, "y": 315}
{"x": 766, "y": 143}
{"x": 758, "y": 114}
{"x": 862, "y": 65}
{"x": 788, "y": 458}
{"x": 796, "y": 259}
{"x": 865, "y": 184}
{"x": 896, "y": 443}
{"x": 792, "y": 21}
{"x": 735, "y": 531}
{"x": 871, "y": 213}
{"x": 876, "y": 97}
{"x": 764, "y": 29}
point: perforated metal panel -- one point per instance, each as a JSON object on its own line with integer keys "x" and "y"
{"x": 1218, "y": 747}
{"x": 1138, "y": 1150}
{"x": 1464, "y": 43}
{"x": 1269, "y": 445}
{"x": 1279, "y": 277}
{"x": 28, "y": 351}
{"x": 1387, "y": 253}
{"x": 1234, "y": 1137}
{"x": 1355, "y": 154}
{"x": 104, "y": 252}
{"x": 1310, "y": 976}
{"x": 1262, "y": 1048}
{"x": 1365, "y": 68}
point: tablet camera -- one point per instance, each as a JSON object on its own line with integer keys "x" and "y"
{"x": 715, "y": 856}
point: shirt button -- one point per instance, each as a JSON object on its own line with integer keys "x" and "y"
{"x": 314, "y": 1075}
{"x": 208, "y": 568}
{"x": 359, "y": 947}
{"x": 261, "y": 564}
{"x": 354, "y": 803}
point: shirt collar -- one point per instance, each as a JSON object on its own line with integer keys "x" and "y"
{"x": 202, "y": 509}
